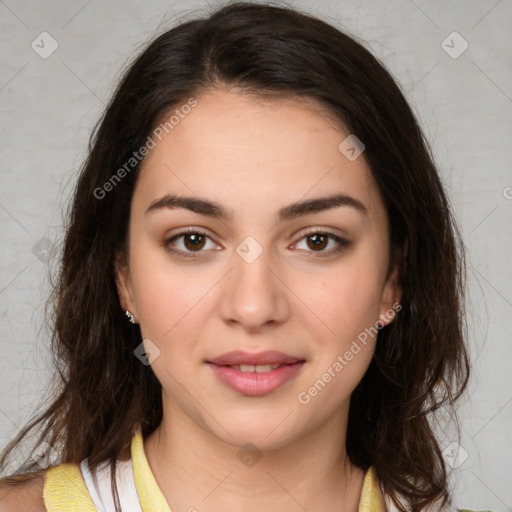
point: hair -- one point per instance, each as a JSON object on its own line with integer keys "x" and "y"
{"x": 420, "y": 364}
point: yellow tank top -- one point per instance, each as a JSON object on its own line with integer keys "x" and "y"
{"x": 65, "y": 489}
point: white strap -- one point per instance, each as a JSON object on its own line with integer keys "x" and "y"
{"x": 99, "y": 487}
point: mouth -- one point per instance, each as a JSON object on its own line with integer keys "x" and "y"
{"x": 255, "y": 374}
{"x": 244, "y": 358}
{"x": 255, "y": 368}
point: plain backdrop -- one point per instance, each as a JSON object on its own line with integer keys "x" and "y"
{"x": 453, "y": 60}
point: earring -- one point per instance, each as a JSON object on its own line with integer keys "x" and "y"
{"x": 131, "y": 318}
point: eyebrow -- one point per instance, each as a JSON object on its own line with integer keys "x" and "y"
{"x": 292, "y": 211}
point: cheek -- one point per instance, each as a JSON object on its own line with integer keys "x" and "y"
{"x": 344, "y": 309}
{"x": 346, "y": 301}
{"x": 168, "y": 296}
{"x": 344, "y": 337}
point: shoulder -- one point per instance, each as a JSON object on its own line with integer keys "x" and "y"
{"x": 23, "y": 496}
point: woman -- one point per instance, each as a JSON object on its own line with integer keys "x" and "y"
{"x": 260, "y": 298}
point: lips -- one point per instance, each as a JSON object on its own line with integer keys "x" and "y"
{"x": 255, "y": 374}
{"x": 240, "y": 357}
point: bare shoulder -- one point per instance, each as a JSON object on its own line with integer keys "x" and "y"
{"x": 23, "y": 496}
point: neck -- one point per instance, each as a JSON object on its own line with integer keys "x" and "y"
{"x": 195, "y": 470}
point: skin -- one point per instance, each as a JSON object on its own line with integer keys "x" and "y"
{"x": 23, "y": 496}
{"x": 254, "y": 157}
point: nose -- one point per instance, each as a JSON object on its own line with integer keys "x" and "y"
{"x": 254, "y": 294}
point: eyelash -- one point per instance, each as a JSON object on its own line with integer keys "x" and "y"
{"x": 342, "y": 243}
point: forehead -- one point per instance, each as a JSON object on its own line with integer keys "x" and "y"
{"x": 239, "y": 148}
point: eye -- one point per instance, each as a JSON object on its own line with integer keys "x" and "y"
{"x": 317, "y": 241}
{"x": 192, "y": 241}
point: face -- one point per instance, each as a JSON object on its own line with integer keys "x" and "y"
{"x": 234, "y": 267}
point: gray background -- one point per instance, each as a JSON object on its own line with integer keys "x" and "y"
{"x": 49, "y": 106}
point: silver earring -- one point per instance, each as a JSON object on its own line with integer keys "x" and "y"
{"x": 131, "y": 318}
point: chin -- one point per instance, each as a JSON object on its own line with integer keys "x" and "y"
{"x": 260, "y": 429}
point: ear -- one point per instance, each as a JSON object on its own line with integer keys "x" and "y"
{"x": 124, "y": 285}
{"x": 391, "y": 294}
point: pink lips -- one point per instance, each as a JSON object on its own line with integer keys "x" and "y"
{"x": 242, "y": 357}
{"x": 253, "y": 383}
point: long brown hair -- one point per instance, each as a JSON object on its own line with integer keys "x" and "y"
{"x": 420, "y": 364}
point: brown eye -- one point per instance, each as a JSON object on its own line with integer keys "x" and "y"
{"x": 193, "y": 241}
{"x": 318, "y": 241}
{"x": 190, "y": 243}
